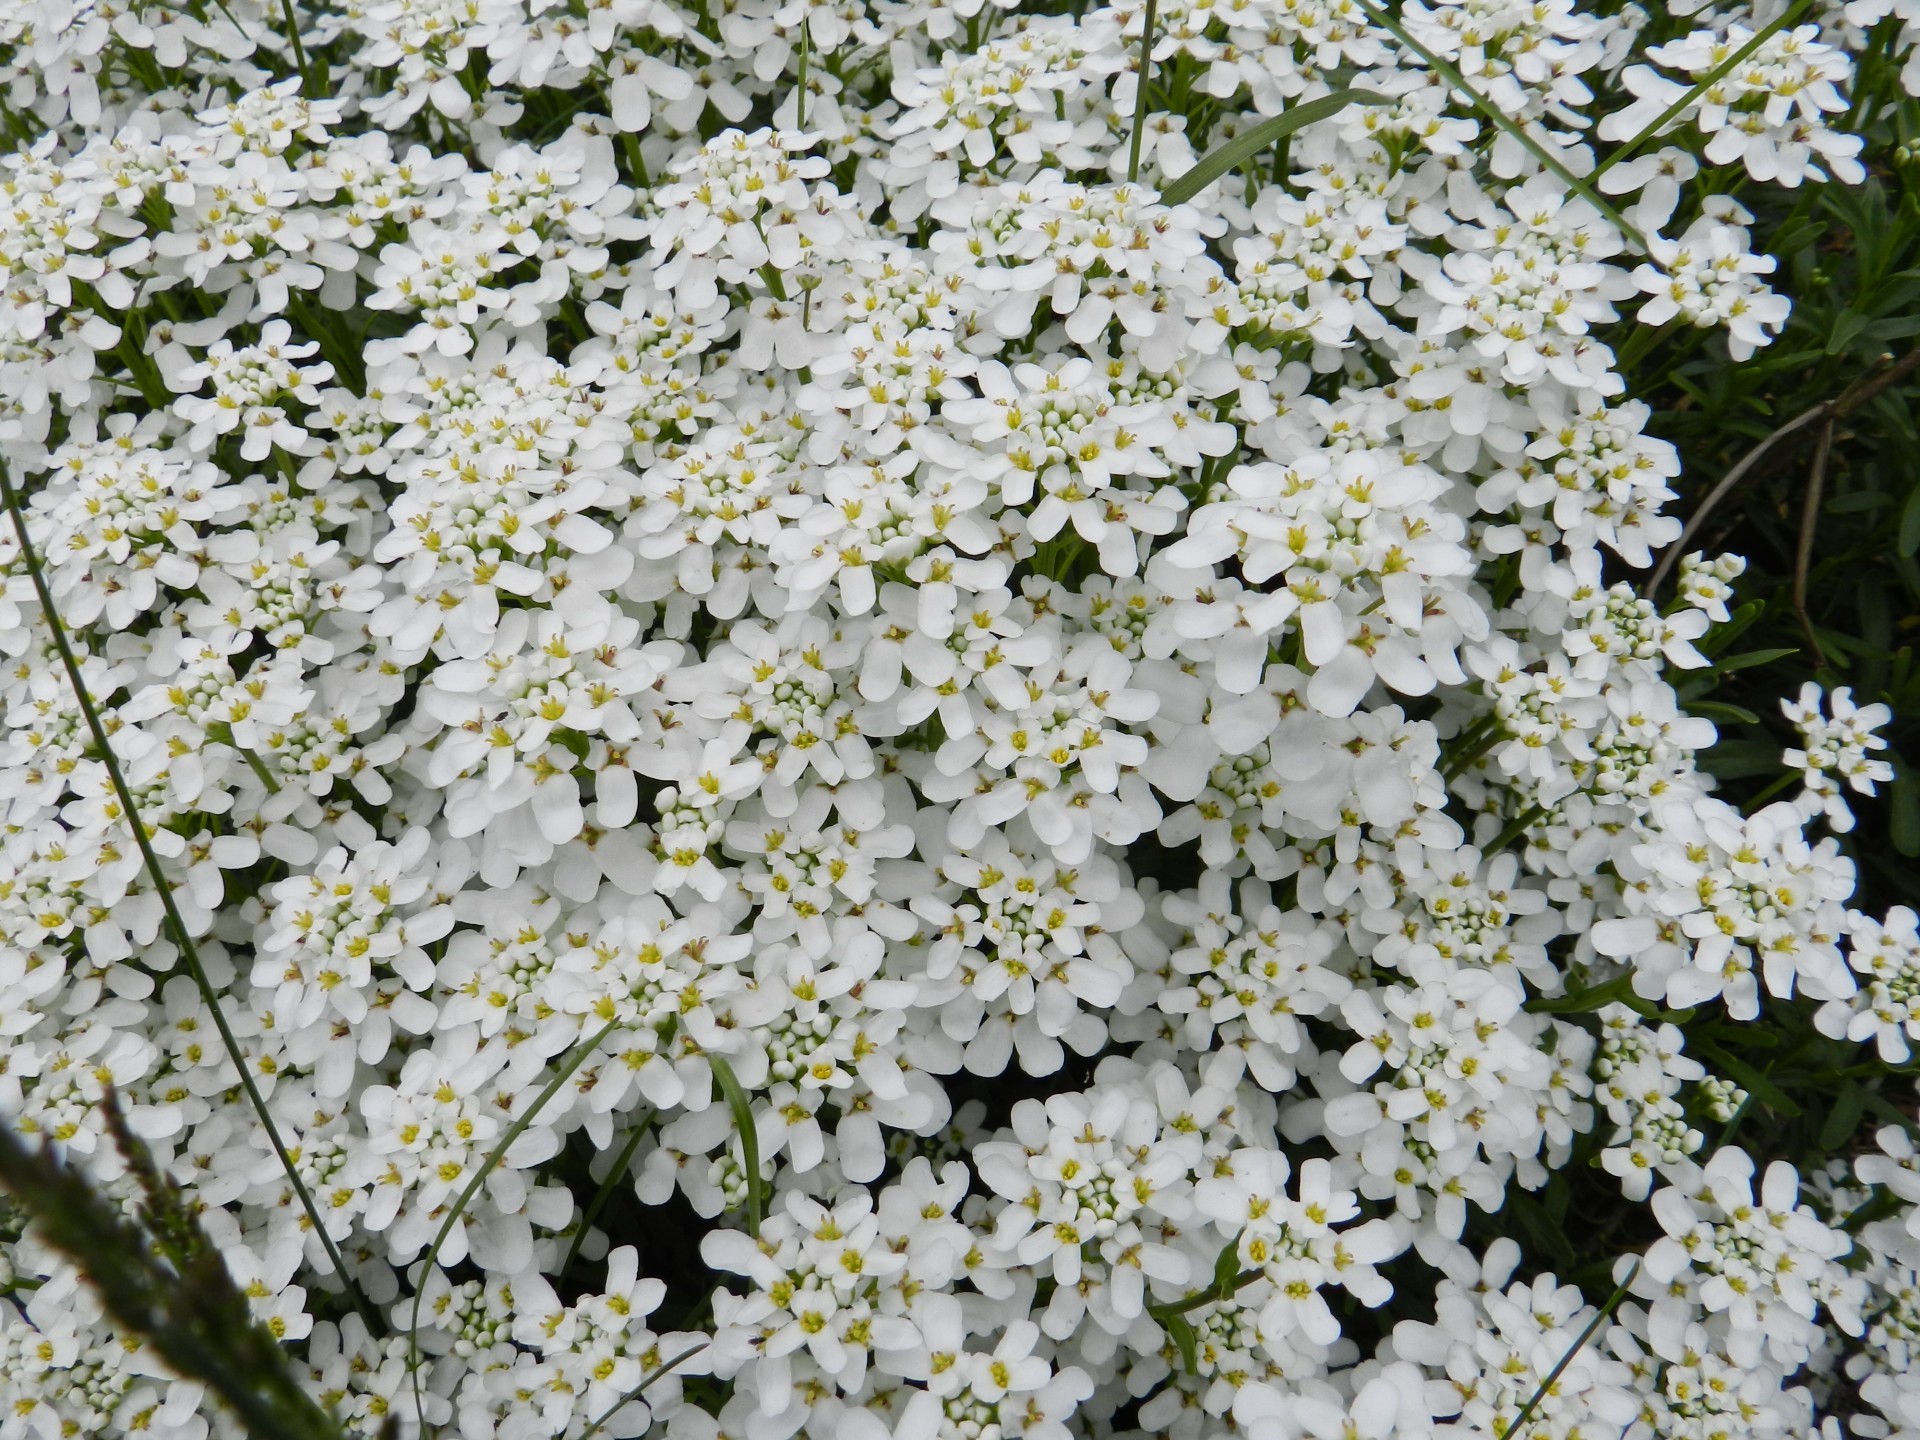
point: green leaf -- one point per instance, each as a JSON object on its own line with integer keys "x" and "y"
{"x": 1181, "y": 1329}
{"x": 1909, "y": 541}
{"x": 175, "y": 927}
{"x": 571, "y": 1063}
{"x": 1891, "y": 1113}
{"x": 1905, "y": 824}
{"x": 1543, "y": 1234}
{"x": 749, "y": 1139}
{"x": 600, "y": 1420}
{"x": 1226, "y": 1269}
{"x": 1846, "y": 326}
{"x": 1844, "y": 1118}
{"x": 1746, "y": 660}
{"x": 1244, "y": 147}
{"x": 1739, "y": 759}
{"x": 1517, "y": 1428}
{"x": 1729, "y": 714}
{"x": 1897, "y": 327}
{"x": 1750, "y": 1080}
{"x": 1721, "y": 636}
{"x": 1586, "y": 1002}
{"x": 601, "y": 1196}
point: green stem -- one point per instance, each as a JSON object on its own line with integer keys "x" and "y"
{"x": 1500, "y": 119}
{"x": 1140, "y": 91}
{"x": 265, "y": 775}
{"x": 1713, "y": 77}
{"x": 170, "y": 909}
{"x": 1473, "y": 742}
{"x": 299, "y": 50}
{"x": 1593, "y": 1325}
{"x": 574, "y": 1061}
{"x": 1205, "y": 1297}
{"x": 634, "y": 1394}
{"x": 1516, "y": 827}
{"x": 604, "y": 1193}
{"x": 800, "y": 89}
{"x": 1774, "y": 789}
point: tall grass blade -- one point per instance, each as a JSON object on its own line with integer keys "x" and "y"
{"x": 575, "y": 1058}
{"x": 1147, "y": 24}
{"x": 634, "y": 1394}
{"x": 1501, "y": 121}
{"x": 176, "y": 926}
{"x": 1579, "y": 1344}
{"x": 1712, "y": 78}
{"x": 749, "y": 1139}
{"x": 605, "y": 1193}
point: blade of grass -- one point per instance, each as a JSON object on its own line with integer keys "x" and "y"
{"x": 299, "y": 51}
{"x": 1712, "y": 78}
{"x": 1500, "y": 120}
{"x": 634, "y": 1394}
{"x": 800, "y": 81}
{"x": 1148, "y": 21}
{"x": 1245, "y": 146}
{"x": 170, "y": 910}
{"x": 1512, "y": 1432}
{"x": 574, "y": 1059}
{"x": 749, "y": 1139}
{"x": 604, "y": 1193}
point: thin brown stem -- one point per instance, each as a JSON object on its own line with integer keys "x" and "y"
{"x": 1847, "y": 401}
{"x": 1809, "y": 522}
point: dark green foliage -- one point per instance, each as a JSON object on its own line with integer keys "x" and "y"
{"x": 1828, "y": 517}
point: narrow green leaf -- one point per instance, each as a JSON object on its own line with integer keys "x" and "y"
{"x": 1891, "y": 1113}
{"x": 602, "y": 1195}
{"x": 574, "y": 1059}
{"x": 599, "y": 1421}
{"x": 1729, "y": 714}
{"x": 1746, "y": 660}
{"x": 175, "y": 925}
{"x": 1705, "y": 83}
{"x": 1226, "y": 1268}
{"x": 1181, "y": 1329}
{"x": 749, "y": 1139}
{"x": 1751, "y": 1080}
{"x": 1543, "y": 1235}
{"x": 1905, "y": 823}
{"x": 1500, "y": 120}
{"x": 1909, "y": 541}
{"x": 1147, "y": 22}
{"x": 800, "y": 80}
{"x": 1593, "y": 1326}
{"x": 1894, "y": 327}
{"x": 1739, "y": 759}
{"x": 1245, "y": 146}
{"x": 1585, "y": 1002}
{"x": 1845, "y": 327}
{"x": 1844, "y": 1118}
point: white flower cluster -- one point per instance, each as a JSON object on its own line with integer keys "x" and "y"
{"x": 842, "y": 776}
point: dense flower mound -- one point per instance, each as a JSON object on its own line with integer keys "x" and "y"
{"x": 849, "y": 766}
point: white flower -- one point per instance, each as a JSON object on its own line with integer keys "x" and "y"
{"x": 1836, "y": 749}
